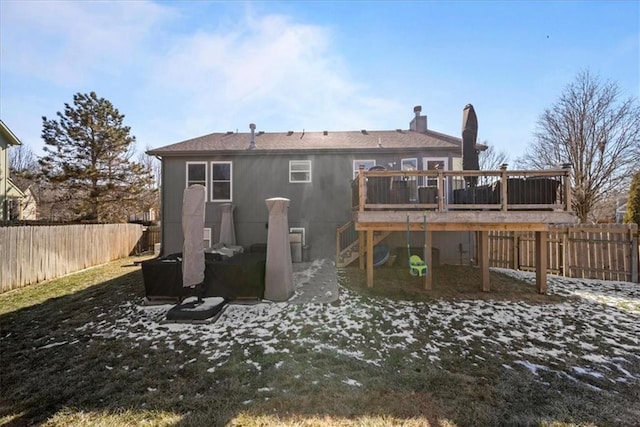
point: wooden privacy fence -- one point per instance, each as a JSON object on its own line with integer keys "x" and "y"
{"x": 32, "y": 254}
{"x": 605, "y": 251}
{"x": 150, "y": 237}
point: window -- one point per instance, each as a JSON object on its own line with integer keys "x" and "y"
{"x": 299, "y": 170}
{"x": 368, "y": 164}
{"x": 197, "y": 174}
{"x": 410, "y": 164}
{"x": 221, "y": 188}
{"x": 411, "y": 181}
{"x": 207, "y": 238}
{"x": 298, "y": 230}
{"x": 433, "y": 164}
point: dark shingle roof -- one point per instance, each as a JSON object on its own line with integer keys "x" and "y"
{"x": 294, "y": 141}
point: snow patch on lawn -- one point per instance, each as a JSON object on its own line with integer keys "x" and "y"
{"x": 593, "y": 335}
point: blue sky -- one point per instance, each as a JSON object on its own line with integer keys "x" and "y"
{"x": 182, "y": 69}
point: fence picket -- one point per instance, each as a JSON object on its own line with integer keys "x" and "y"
{"x": 604, "y": 251}
{"x": 31, "y": 254}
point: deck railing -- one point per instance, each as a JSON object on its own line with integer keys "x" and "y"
{"x": 447, "y": 190}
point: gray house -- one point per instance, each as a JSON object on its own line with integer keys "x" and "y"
{"x": 312, "y": 169}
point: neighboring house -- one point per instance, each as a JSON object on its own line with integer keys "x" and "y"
{"x": 621, "y": 210}
{"x": 7, "y": 139}
{"x": 21, "y": 200}
{"x": 312, "y": 169}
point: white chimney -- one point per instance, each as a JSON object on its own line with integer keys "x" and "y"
{"x": 252, "y": 144}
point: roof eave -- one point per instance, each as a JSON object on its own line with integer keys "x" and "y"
{"x": 10, "y": 136}
{"x": 257, "y": 152}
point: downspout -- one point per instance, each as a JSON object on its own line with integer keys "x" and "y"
{"x": 162, "y": 202}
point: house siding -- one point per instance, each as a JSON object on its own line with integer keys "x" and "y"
{"x": 318, "y": 207}
{"x": 4, "y": 174}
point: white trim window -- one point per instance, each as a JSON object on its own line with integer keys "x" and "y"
{"x": 368, "y": 164}
{"x": 299, "y": 230}
{"x": 409, "y": 164}
{"x": 434, "y": 163}
{"x": 221, "y": 181}
{"x": 196, "y": 173}
{"x": 299, "y": 171}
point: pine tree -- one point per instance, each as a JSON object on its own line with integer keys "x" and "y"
{"x": 633, "y": 202}
{"x": 87, "y": 158}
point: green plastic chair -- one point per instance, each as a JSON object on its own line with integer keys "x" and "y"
{"x": 417, "y": 267}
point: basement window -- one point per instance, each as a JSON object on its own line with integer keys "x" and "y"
{"x": 299, "y": 171}
{"x": 207, "y": 238}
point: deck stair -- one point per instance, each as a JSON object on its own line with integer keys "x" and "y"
{"x": 348, "y": 243}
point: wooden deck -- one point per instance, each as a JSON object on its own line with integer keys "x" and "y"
{"x": 496, "y": 207}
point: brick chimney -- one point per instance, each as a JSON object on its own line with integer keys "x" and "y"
{"x": 418, "y": 123}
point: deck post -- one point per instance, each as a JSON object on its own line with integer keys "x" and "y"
{"x": 566, "y": 182}
{"x": 484, "y": 260}
{"x": 362, "y": 248}
{"x": 440, "y": 190}
{"x": 362, "y": 189}
{"x": 428, "y": 242}
{"x": 504, "y": 198}
{"x": 541, "y": 261}
{"x": 370, "y": 258}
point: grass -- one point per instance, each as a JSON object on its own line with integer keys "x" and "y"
{"x": 60, "y": 367}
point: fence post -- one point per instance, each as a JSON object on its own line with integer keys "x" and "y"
{"x": 634, "y": 253}
{"x": 515, "y": 250}
{"x": 566, "y": 256}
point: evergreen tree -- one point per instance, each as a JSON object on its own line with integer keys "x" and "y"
{"x": 87, "y": 158}
{"x": 633, "y": 202}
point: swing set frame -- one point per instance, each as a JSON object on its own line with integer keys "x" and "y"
{"x": 417, "y": 265}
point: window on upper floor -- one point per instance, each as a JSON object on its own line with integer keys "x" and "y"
{"x": 299, "y": 171}
{"x": 197, "y": 174}
{"x": 367, "y": 164}
{"x": 433, "y": 163}
{"x": 221, "y": 181}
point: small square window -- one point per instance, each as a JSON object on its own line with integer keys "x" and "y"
{"x": 299, "y": 171}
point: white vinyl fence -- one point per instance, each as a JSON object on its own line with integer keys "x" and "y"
{"x": 31, "y": 254}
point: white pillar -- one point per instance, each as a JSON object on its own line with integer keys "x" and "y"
{"x": 227, "y": 230}
{"x": 279, "y": 270}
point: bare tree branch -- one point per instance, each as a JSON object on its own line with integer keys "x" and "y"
{"x": 596, "y": 131}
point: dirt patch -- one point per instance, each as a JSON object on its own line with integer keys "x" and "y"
{"x": 449, "y": 282}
